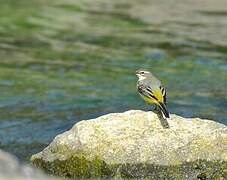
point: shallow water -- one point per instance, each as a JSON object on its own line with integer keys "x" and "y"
{"x": 63, "y": 61}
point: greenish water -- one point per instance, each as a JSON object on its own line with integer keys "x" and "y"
{"x": 63, "y": 61}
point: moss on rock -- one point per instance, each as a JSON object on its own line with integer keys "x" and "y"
{"x": 76, "y": 166}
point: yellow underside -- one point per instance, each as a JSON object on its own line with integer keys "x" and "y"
{"x": 158, "y": 95}
{"x": 149, "y": 100}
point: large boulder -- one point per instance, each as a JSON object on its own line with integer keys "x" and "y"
{"x": 138, "y": 144}
{"x": 11, "y": 169}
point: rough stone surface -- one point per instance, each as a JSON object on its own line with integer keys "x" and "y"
{"x": 11, "y": 169}
{"x": 138, "y": 144}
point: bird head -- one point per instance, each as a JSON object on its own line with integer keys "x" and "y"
{"x": 142, "y": 74}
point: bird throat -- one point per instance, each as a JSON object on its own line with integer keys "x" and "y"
{"x": 141, "y": 78}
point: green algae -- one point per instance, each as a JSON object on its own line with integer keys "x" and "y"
{"x": 70, "y": 7}
{"x": 118, "y": 19}
{"x": 79, "y": 167}
{"x": 75, "y": 166}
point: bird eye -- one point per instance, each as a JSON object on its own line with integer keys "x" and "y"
{"x": 142, "y": 72}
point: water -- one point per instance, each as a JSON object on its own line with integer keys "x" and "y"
{"x": 63, "y": 61}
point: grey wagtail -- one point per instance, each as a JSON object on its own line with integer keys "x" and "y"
{"x": 152, "y": 91}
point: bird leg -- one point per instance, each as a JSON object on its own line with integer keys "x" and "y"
{"x": 155, "y": 107}
{"x": 158, "y": 111}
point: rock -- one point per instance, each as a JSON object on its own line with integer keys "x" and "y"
{"x": 10, "y": 169}
{"x": 138, "y": 144}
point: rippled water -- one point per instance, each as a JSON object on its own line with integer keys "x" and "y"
{"x": 63, "y": 61}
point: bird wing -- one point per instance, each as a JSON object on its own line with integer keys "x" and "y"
{"x": 158, "y": 95}
{"x": 146, "y": 91}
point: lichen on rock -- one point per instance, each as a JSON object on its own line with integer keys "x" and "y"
{"x": 135, "y": 144}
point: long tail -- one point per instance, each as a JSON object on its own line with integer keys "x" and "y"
{"x": 164, "y": 109}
